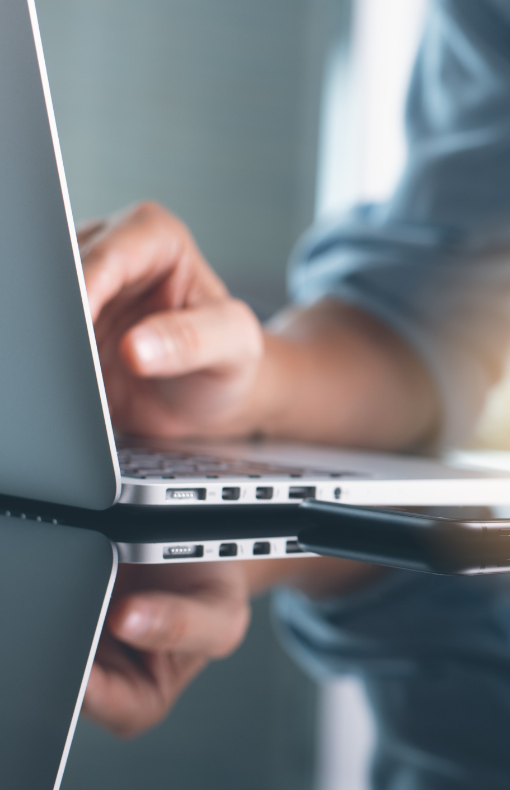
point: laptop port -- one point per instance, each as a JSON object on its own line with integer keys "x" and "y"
{"x": 228, "y": 550}
{"x": 186, "y": 494}
{"x": 301, "y": 492}
{"x": 230, "y": 494}
{"x": 293, "y": 547}
{"x": 177, "y": 552}
{"x": 264, "y": 492}
{"x": 262, "y": 547}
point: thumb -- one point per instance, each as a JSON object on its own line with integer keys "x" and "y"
{"x": 177, "y": 342}
{"x": 210, "y": 625}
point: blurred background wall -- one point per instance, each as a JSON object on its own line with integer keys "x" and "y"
{"x": 209, "y": 106}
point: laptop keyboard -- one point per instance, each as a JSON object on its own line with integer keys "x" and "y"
{"x": 152, "y": 464}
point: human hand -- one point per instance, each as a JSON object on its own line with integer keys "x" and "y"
{"x": 167, "y": 622}
{"x": 164, "y": 625}
{"x": 179, "y": 355}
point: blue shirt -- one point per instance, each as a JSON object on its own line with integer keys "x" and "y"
{"x": 434, "y": 263}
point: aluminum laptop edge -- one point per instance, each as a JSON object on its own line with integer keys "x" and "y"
{"x": 57, "y": 443}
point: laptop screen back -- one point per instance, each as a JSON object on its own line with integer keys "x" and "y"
{"x": 56, "y": 436}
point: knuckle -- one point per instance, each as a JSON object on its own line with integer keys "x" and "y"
{"x": 124, "y": 730}
{"x": 151, "y": 211}
{"x": 162, "y": 222}
{"x": 134, "y": 723}
{"x": 147, "y": 209}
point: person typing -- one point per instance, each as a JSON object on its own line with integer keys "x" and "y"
{"x": 398, "y": 326}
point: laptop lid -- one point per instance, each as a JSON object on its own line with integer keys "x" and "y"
{"x": 55, "y": 585}
{"x": 57, "y": 441}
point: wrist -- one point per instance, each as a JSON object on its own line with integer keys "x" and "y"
{"x": 270, "y": 399}
{"x": 262, "y": 410}
{"x": 332, "y": 374}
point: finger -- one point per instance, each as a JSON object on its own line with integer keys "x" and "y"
{"x": 208, "y": 625}
{"x": 89, "y": 229}
{"x": 174, "y": 343}
{"x": 131, "y": 699}
{"x": 140, "y": 247}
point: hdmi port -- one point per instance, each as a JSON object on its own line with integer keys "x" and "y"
{"x": 301, "y": 492}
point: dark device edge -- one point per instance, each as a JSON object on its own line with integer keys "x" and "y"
{"x": 405, "y": 540}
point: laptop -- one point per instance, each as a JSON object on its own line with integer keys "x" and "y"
{"x": 55, "y": 585}
{"x": 59, "y": 460}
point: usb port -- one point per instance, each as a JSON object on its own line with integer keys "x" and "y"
{"x": 176, "y": 552}
{"x": 186, "y": 494}
{"x": 293, "y": 547}
{"x": 228, "y": 550}
{"x": 264, "y": 492}
{"x": 301, "y": 492}
{"x": 230, "y": 494}
{"x": 262, "y": 547}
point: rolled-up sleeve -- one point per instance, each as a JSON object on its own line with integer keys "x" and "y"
{"x": 434, "y": 264}
{"x": 434, "y": 261}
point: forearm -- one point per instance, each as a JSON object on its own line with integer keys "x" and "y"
{"x": 336, "y": 375}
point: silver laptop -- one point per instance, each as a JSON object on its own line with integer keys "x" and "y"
{"x": 57, "y": 444}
